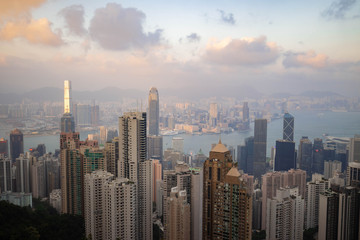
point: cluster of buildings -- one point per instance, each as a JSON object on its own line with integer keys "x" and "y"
{"x": 128, "y": 185}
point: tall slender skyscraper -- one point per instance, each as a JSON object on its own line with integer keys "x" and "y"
{"x": 16, "y": 144}
{"x": 260, "y": 137}
{"x": 67, "y": 121}
{"x": 285, "y": 155}
{"x": 133, "y": 165}
{"x": 153, "y": 112}
{"x": 288, "y": 127}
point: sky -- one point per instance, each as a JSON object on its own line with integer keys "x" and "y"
{"x": 271, "y": 46}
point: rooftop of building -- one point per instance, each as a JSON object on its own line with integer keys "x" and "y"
{"x": 220, "y": 148}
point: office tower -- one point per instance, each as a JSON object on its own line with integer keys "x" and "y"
{"x": 67, "y": 97}
{"x": 71, "y": 174}
{"x": 246, "y": 113}
{"x": 285, "y": 156}
{"x": 227, "y": 207}
{"x": 41, "y": 149}
{"x": 178, "y": 223}
{"x": 94, "y": 204}
{"x": 353, "y": 174}
{"x": 154, "y": 112}
{"x": 178, "y": 144}
{"x": 305, "y": 156}
{"x": 83, "y": 115}
{"x": 245, "y": 156}
{"x": 273, "y": 181}
{"x": 354, "y": 149}
{"x": 288, "y": 127}
{"x": 314, "y": 188}
{"x": 134, "y": 166}
{"x": 22, "y": 174}
{"x": 213, "y": 114}
{"x": 157, "y": 175}
{"x": 4, "y": 147}
{"x": 260, "y": 136}
{"x": 155, "y": 147}
{"x": 330, "y": 168}
{"x": 171, "y": 158}
{"x": 318, "y": 156}
{"x": 5, "y": 174}
{"x": 112, "y": 156}
{"x": 328, "y": 215}
{"x": 67, "y": 120}
{"x": 16, "y": 144}
{"x": 112, "y": 133}
{"x": 285, "y": 215}
{"x": 103, "y": 134}
{"x": 94, "y": 114}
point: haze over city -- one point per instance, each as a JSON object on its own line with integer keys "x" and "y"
{"x": 270, "y": 46}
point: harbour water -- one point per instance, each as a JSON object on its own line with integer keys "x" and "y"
{"x": 307, "y": 123}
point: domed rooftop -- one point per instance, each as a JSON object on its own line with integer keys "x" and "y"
{"x": 220, "y": 148}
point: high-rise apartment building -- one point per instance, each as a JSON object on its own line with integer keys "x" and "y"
{"x": 22, "y": 174}
{"x": 354, "y": 149}
{"x": 157, "y": 176}
{"x": 314, "y": 189}
{"x": 227, "y": 202}
{"x": 272, "y": 181}
{"x": 353, "y": 174}
{"x": 16, "y": 144}
{"x": 328, "y": 215}
{"x": 154, "y": 112}
{"x": 285, "y": 215}
{"x": 260, "y": 137}
{"x": 5, "y": 174}
{"x": 285, "y": 158}
{"x": 178, "y": 222}
{"x": 112, "y": 156}
{"x": 71, "y": 174}
{"x": 288, "y": 127}
{"x": 331, "y": 167}
{"x": 133, "y": 165}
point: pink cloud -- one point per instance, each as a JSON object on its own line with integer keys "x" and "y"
{"x": 305, "y": 59}
{"x": 34, "y": 31}
{"x": 245, "y": 51}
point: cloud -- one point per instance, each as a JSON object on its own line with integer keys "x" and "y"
{"x": 74, "y": 19}
{"x": 10, "y": 8}
{"x": 227, "y": 17}
{"x": 338, "y": 9}
{"x": 118, "y": 28}
{"x": 246, "y": 51}
{"x": 193, "y": 37}
{"x": 305, "y": 59}
{"x": 34, "y": 31}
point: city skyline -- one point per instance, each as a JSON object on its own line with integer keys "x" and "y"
{"x": 274, "y": 47}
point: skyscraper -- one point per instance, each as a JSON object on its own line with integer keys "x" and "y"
{"x": 5, "y": 174}
{"x": 227, "y": 210}
{"x": 305, "y": 155}
{"x": 154, "y": 112}
{"x": 179, "y": 215}
{"x": 67, "y": 120}
{"x": 155, "y": 147}
{"x": 133, "y": 165}
{"x": 285, "y": 155}
{"x": 288, "y": 127}
{"x": 245, "y": 156}
{"x": 328, "y": 215}
{"x": 260, "y": 137}
{"x": 318, "y": 156}
{"x": 16, "y": 144}
{"x": 4, "y": 147}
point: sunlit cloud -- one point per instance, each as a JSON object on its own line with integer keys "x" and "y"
{"x": 245, "y": 51}
{"x": 305, "y": 59}
{"x": 11, "y": 8}
{"x": 34, "y": 31}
